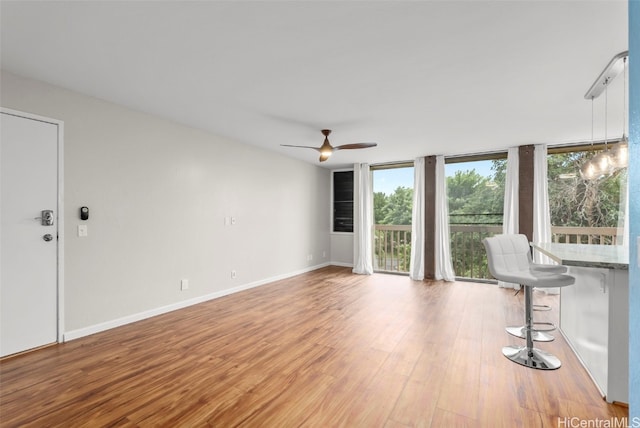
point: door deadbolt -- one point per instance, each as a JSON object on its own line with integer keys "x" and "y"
{"x": 48, "y": 237}
{"x": 46, "y": 218}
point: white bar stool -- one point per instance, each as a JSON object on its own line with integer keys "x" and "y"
{"x": 508, "y": 261}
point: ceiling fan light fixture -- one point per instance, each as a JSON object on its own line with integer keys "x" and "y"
{"x": 326, "y": 149}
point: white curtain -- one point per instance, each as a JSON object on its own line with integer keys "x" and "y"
{"x": 444, "y": 267}
{"x": 362, "y": 220}
{"x": 541, "y": 211}
{"x": 541, "y": 214}
{"x": 511, "y": 200}
{"x": 416, "y": 267}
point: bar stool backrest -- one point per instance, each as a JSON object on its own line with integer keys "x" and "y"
{"x": 507, "y": 255}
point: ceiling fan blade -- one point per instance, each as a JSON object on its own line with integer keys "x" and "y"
{"x": 302, "y": 147}
{"x": 355, "y": 146}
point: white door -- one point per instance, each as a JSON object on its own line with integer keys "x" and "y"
{"x": 29, "y": 249}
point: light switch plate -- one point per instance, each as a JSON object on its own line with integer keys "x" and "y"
{"x": 82, "y": 230}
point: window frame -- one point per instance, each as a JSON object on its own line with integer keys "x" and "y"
{"x": 333, "y": 202}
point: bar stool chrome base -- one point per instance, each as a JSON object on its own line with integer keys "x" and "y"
{"x": 531, "y": 357}
{"x": 538, "y": 335}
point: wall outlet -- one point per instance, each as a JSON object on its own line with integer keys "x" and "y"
{"x": 82, "y": 230}
{"x": 324, "y": 254}
{"x": 233, "y": 274}
{"x": 184, "y": 284}
{"x": 309, "y": 257}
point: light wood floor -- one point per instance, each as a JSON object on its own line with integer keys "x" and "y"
{"x": 322, "y": 349}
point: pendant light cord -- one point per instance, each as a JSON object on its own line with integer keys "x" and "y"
{"x": 624, "y": 98}
{"x": 592, "y": 123}
{"x": 606, "y": 110}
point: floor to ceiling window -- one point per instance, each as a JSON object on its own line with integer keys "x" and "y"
{"x": 475, "y": 188}
{"x": 392, "y": 206}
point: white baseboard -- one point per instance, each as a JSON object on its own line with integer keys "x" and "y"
{"x": 341, "y": 264}
{"x": 108, "y": 325}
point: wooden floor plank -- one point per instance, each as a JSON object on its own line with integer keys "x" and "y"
{"x": 326, "y": 348}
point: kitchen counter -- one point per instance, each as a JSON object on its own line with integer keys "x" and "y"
{"x": 585, "y": 255}
{"x": 594, "y": 312}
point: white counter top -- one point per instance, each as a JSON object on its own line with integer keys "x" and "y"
{"x": 586, "y": 255}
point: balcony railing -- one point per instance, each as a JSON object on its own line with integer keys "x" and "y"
{"x": 392, "y": 245}
{"x": 392, "y": 248}
{"x": 586, "y": 235}
{"x": 467, "y": 252}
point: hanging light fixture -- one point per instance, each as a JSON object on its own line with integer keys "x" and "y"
{"x": 607, "y": 161}
{"x": 604, "y": 160}
{"x": 620, "y": 152}
{"x": 588, "y": 169}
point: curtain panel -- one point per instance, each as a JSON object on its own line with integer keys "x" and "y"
{"x": 416, "y": 265}
{"x": 444, "y": 267}
{"x": 511, "y": 213}
{"x": 362, "y": 220}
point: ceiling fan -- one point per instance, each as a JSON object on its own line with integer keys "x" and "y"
{"x": 326, "y": 149}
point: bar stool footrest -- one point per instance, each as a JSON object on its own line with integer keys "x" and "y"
{"x": 538, "y": 335}
{"x": 541, "y": 307}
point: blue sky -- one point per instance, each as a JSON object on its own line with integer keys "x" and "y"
{"x": 387, "y": 180}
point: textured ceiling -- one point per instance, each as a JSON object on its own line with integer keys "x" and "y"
{"x": 419, "y": 78}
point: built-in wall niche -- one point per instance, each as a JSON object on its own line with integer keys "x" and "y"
{"x": 342, "y": 201}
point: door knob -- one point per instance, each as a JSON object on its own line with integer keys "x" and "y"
{"x": 46, "y": 218}
{"x": 47, "y": 237}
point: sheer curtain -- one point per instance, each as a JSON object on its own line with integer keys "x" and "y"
{"x": 416, "y": 267}
{"x": 362, "y": 220}
{"x": 541, "y": 214}
{"x": 541, "y": 210}
{"x": 444, "y": 267}
{"x": 511, "y": 200}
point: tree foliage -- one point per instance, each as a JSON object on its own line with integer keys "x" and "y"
{"x": 395, "y": 208}
{"x": 474, "y": 198}
{"x": 583, "y": 203}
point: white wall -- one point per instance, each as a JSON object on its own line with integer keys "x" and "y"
{"x": 158, "y": 194}
{"x": 342, "y": 249}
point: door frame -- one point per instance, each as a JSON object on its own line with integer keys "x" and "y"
{"x": 60, "y": 214}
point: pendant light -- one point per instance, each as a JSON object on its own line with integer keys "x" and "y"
{"x": 588, "y": 168}
{"x": 607, "y": 161}
{"x": 620, "y": 152}
{"x": 604, "y": 160}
